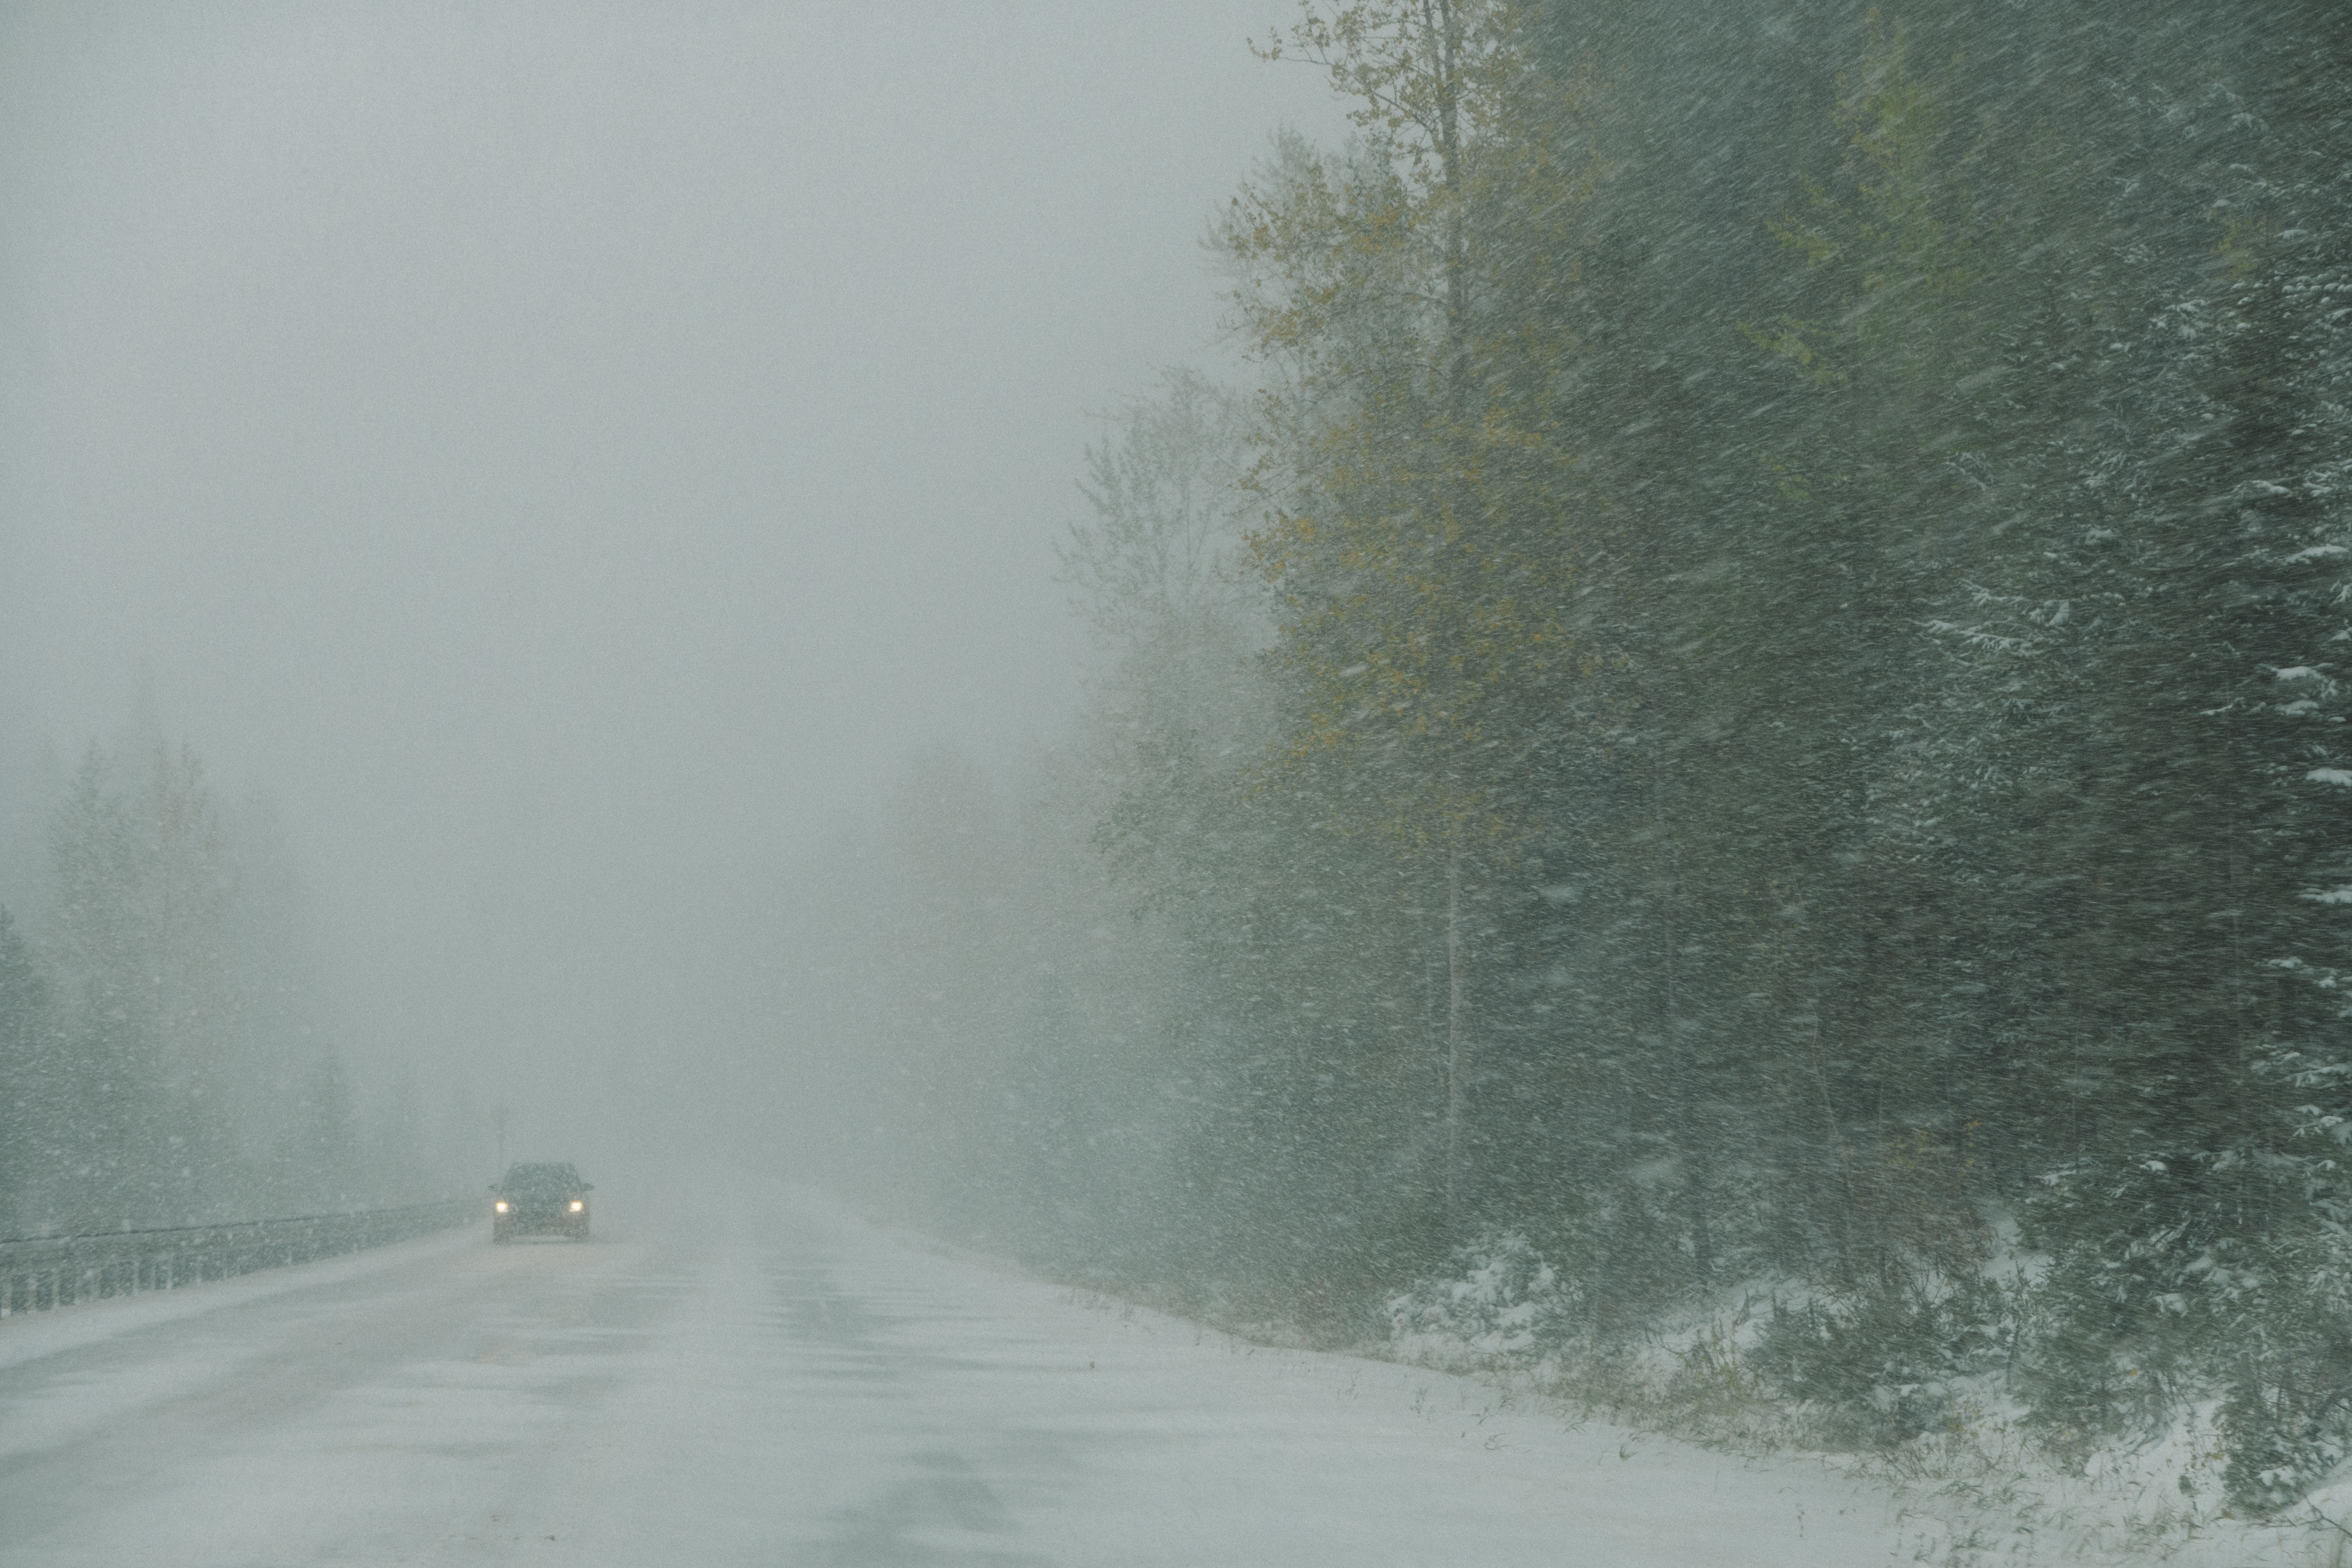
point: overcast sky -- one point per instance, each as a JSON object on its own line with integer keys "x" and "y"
{"x": 554, "y": 451}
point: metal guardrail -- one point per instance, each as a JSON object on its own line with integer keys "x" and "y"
{"x": 39, "y": 1272}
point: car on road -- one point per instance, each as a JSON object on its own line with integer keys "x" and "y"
{"x": 539, "y": 1200}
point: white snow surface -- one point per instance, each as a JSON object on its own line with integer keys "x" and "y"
{"x": 808, "y": 1390}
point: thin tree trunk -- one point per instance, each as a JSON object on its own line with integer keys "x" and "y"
{"x": 1456, "y": 1048}
{"x": 1443, "y": 29}
{"x": 1682, "y": 1063}
{"x": 1846, "y": 1215}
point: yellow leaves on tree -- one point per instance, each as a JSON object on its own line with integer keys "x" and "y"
{"x": 1404, "y": 295}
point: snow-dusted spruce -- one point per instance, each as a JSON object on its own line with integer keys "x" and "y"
{"x": 1787, "y": 711}
{"x": 159, "y": 1063}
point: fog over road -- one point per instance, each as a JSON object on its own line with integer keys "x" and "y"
{"x": 793, "y": 1387}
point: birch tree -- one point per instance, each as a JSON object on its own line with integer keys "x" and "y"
{"x": 1417, "y": 478}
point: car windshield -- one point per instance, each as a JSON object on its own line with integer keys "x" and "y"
{"x": 536, "y": 1180}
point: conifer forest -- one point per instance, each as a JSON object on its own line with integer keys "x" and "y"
{"x": 162, "y": 1058}
{"x": 1744, "y": 717}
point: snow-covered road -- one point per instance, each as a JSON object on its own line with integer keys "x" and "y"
{"x": 806, "y": 1392}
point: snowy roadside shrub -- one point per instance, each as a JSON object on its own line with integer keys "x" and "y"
{"x": 2286, "y": 1419}
{"x": 1880, "y": 1365}
{"x": 2181, "y": 1277}
{"x": 1504, "y": 1303}
{"x": 2280, "y": 1443}
{"x": 2146, "y": 1255}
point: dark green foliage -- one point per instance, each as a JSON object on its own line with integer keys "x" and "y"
{"x": 2153, "y": 1264}
{"x": 1883, "y": 1362}
{"x": 2286, "y": 1365}
{"x": 28, "y": 1079}
{"x": 1933, "y": 809}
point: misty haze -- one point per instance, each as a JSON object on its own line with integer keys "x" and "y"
{"x": 1224, "y": 782}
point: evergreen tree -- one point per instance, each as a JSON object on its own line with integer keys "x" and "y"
{"x": 31, "y": 1113}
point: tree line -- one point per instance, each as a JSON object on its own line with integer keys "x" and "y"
{"x": 161, "y": 1058}
{"x": 1752, "y": 700}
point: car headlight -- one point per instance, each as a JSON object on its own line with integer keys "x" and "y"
{"x": 577, "y": 1205}
{"x": 502, "y": 1205}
